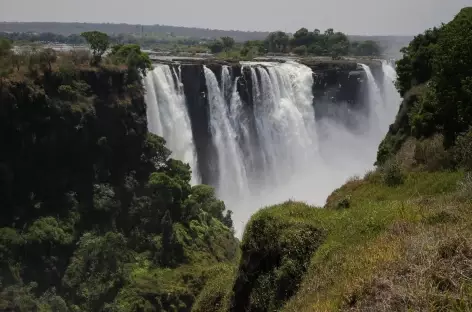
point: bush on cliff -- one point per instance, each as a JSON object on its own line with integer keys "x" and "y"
{"x": 434, "y": 77}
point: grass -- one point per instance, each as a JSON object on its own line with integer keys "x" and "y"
{"x": 386, "y": 232}
{"x": 403, "y": 248}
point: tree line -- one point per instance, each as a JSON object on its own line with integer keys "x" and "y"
{"x": 303, "y": 42}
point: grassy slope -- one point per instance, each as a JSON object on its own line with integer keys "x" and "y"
{"x": 394, "y": 249}
{"x": 383, "y": 253}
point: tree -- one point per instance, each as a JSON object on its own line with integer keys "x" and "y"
{"x": 253, "y": 47}
{"x": 216, "y": 46}
{"x": 98, "y": 42}
{"x": 5, "y": 57}
{"x": 47, "y": 57}
{"x": 300, "y": 50}
{"x": 131, "y": 55}
{"x": 228, "y": 43}
{"x": 301, "y": 37}
{"x": 277, "y": 41}
{"x": 329, "y": 32}
{"x": 5, "y": 47}
{"x": 365, "y": 48}
{"x": 416, "y": 66}
{"x": 452, "y": 75}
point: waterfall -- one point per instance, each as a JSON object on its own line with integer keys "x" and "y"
{"x": 391, "y": 96}
{"x": 263, "y": 136}
{"x": 383, "y": 103}
{"x": 232, "y": 179}
{"x": 376, "y": 107}
{"x": 168, "y": 116}
{"x": 285, "y": 119}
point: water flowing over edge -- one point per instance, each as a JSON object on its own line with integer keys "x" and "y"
{"x": 287, "y": 154}
{"x": 168, "y": 116}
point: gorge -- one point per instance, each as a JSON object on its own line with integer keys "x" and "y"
{"x": 263, "y": 132}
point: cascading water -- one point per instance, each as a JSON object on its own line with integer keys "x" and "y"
{"x": 390, "y": 95}
{"x": 232, "y": 179}
{"x": 168, "y": 116}
{"x": 269, "y": 147}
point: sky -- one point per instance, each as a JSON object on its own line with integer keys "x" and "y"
{"x": 355, "y": 17}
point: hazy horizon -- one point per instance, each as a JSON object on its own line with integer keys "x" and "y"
{"x": 365, "y": 17}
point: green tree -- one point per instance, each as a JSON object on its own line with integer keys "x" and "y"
{"x": 216, "y": 46}
{"x": 452, "y": 75}
{"x": 99, "y": 43}
{"x": 228, "y": 43}
{"x": 47, "y": 57}
{"x": 5, "y": 56}
{"x": 277, "y": 42}
{"x": 365, "y": 48}
{"x": 5, "y": 47}
{"x": 416, "y": 65}
{"x": 300, "y": 50}
{"x": 131, "y": 55}
{"x": 301, "y": 37}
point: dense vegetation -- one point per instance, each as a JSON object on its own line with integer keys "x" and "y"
{"x": 95, "y": 215}
{"x": 434, "y": 77}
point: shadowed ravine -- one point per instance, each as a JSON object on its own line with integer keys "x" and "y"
{"x": 265, "y": 132}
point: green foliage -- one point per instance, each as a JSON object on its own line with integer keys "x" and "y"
{"x": 99, "y": 43}
{"x": 6, "y": 54}
{"x": 216, "y": 295}
{"x": 228, "y": 43}
{"x": 277, "y": 42}
{"x": 452, "y": 67}
{"x": 47, "y": 57}
{"x": 330, "y": 43}
{"x": 253, "y": 48}
{"x": 132, "y": 56}
{"x": 300, "y": 50}
{"x": 97, "y": 269}
{"x": 216, "y": 46}
{"x": 392, "y": 174}
{"x": 416, "y": 66}
{"x": 365, "y": 48}
{"x": 434, "y": 78}
{"x": 79, "y": 221}
{"x": 275, "y": 254}
{"x": 462, "y": 151}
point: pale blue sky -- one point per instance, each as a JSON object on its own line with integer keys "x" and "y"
{"x": 363, "y": 17}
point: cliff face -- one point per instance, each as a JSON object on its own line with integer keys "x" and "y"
{"x": 95, "y": 215}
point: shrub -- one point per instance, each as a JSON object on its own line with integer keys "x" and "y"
{"x": 392, "y": 175}
{"x": 462, "y": 151}
{"x": 464, "y": 187}
{"x": 431, "y": 155}
{"x": 373, "y": 176}
{"x": 344, "y": 203}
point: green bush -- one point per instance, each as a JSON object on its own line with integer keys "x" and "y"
{"x": 392, "y": 174}
{"x": 462, "y": 151}
{"x": 431, "y": 154}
